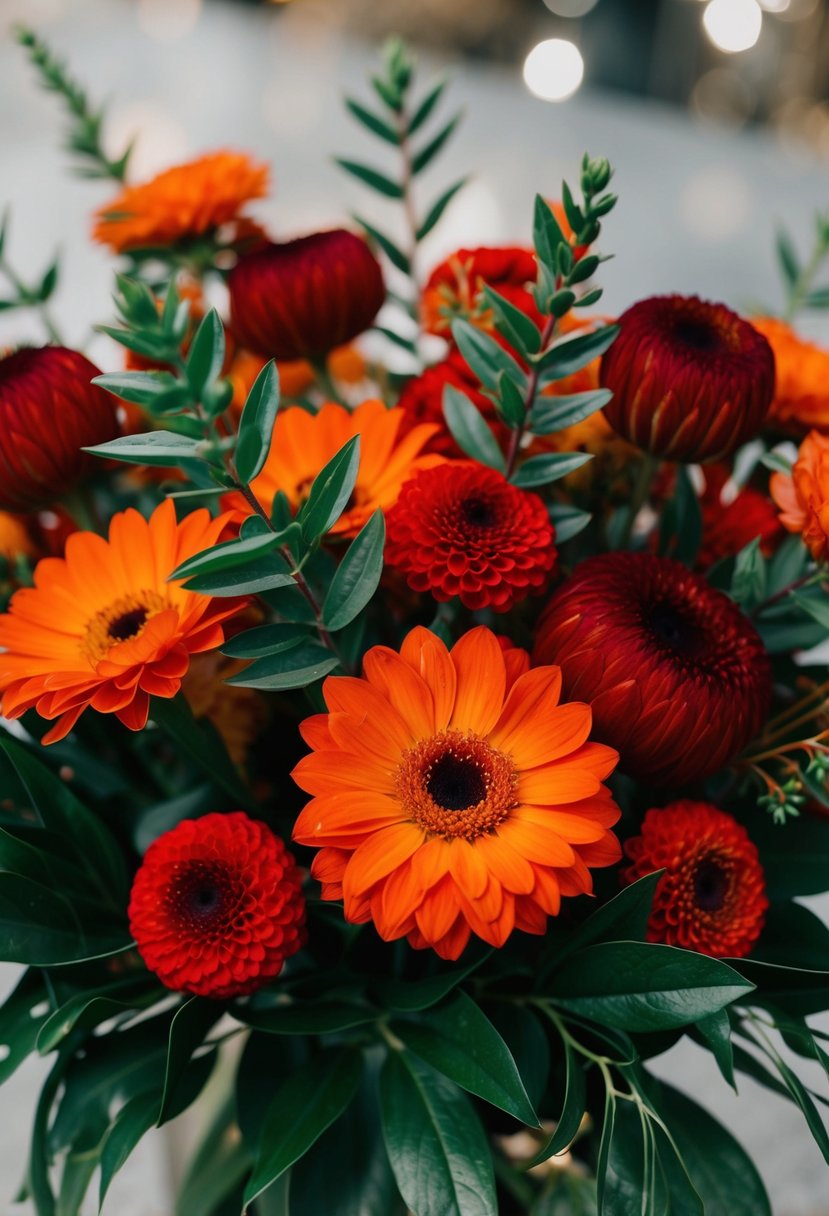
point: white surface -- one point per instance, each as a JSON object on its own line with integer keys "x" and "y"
{"x": 697, "y": 214}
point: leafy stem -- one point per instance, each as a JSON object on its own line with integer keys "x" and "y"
{"x": 532, "y": 389}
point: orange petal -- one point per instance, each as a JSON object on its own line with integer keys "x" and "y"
{"x": 467, "y": 866}
{"x": 340, "y": 819}
{"x": 536, "y": 843}
{"x": 511, "y": 869}
{"x": 403, "y": 688}
{"x": 426, "y": 654}
{"x": 479, "y": 663}
{"x": 378, "y": 856}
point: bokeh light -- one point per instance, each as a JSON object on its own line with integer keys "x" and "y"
{"x": 570, "y": 8}
{"x": 733, "y": 25}
{"x": 554, "y": 69}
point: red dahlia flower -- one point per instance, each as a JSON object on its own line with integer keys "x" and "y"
{"x": 454, "y": 287}
{"x": 301, "y": 298}
{"x": 678, "y": 679}
{"x": 691, "y": 380}
{"x": 462, "y": 529}
{"x": 729, "y": 524}
{"x": 422, "y": 401}
{"x": 217, "y": 906}
{"x": 49, "y": 411}
{"x": 712, "y": 896}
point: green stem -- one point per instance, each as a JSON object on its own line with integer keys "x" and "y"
{"x": 640, "y": 495}
{"x": 529, "y": 398}
{"x": 81, "y": 506}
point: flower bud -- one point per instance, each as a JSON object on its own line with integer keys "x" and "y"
{"x": 301, "y": 298}
{"x": 49, "y": 411}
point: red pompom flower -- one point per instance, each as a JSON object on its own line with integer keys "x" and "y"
{"x": 677, "y": 677}
{"x": 49, "y": 411}
{"x": 712, "y": 896}
{"x": 691, "y": 380}
{"x": 217, "y": 906}
{"x": 462, "y": 529}
{"x": 302, "y": 298}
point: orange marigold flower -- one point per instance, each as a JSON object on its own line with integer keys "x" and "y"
{"x": 183, "y": 202}
{"x": 303, "y": 444}
{"x": 803, "y": 498}
{"x": 801, "y": 394}
{"x": 712, "y": 896}
{"x": 447, "y": 804}
{"x": 454, "y": 287}
{"x": 103, "y": 628}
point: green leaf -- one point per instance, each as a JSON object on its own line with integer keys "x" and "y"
{"x": 571, "y": 354}
{"x": 519, "y": 330}
{"x": 567, "y": 1194}
{"x": 457, "y": 1039}
{"x": 437, "y": 1149}
{"x": 371, "y": 177}
{"x": 254, "y": 577}
{"x": 201, "y": 743}
{"x": 719, "y": 1168}
{"x": 153, "y": 448}
{"x": 521, "y": 1029}
{"x": 296, "y": 667}
{"x": 787, "y": 565}
{"x": 192, "y": 1020}
{"x": 373, "y": 122}
{"x": 645, "y": 986}
{"x": 486, "y": 357}
{"x": 794, "y": 937}
{"x": 510, "y": 403}
{"x": 555, "y": 413}
{"x": 225, "y": 556}
{"x": 358, "y": 575}
{"x": 40, "y": 928}
{"x": 470, "y": 430}
{"x": 680, "y": 528}
{"x": 787, "y": 257}
{"x": 142, "y": 388}
{"x": 395, "y": 255}
{"x": 547, "y": 235}
{"x": 715, "y": 1030}
{"x": 779, "y": 464}
{"x": 622, "y": 918}
{"x": 795, "y": 990}
{"x": 543, "y": 470}
{"x": 330, "y": 492}
{"x": 91, "y": 1006}
{"x": 572, "y": 1112}
{"x": 748, "y": 585}
{"x": 256, "y": 424}
{"x": 411, "y": 996}
{"x": 265, "y": 640}
{"x": 568, "y": 521}
{"x": 206, "y": 355}
{"x": 307, "y": 1017}
{"x": 422, "y": 159}
{"x": 816, "y": 606}
{"x": 22, "y": 1015}
{"x": 433, "y": 215}
{"x": 819, "y": 298}
{"x": 132, "y": 1123}
{"x": 426, "y": 106}
{"x": 302, "y": 1108}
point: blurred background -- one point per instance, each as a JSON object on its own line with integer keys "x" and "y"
{"x": 715, "y": 114}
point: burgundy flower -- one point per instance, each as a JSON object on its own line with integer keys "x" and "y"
{"x": 300, "y": 299}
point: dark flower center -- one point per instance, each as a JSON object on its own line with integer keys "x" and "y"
{"x": 203, "y": 895}
{"x": 456, "y": 783}
{"x": 479, "y": 513}
{"x": 674, "y": 629}
{"x": 128, "y": 624}
{"x": 710, "y": 885}
{"x": 699, "y": 336}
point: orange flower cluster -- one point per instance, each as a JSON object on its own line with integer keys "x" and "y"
{"x": 803, "y": 497}
{"x": 801, "y": 394}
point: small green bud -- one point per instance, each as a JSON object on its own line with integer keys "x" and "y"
{"x": 600, "y": 173}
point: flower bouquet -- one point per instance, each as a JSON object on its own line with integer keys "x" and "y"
{"x": 397, "y": 757}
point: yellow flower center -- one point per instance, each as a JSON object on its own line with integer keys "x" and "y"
{"x": 120, "y": 622}
{"x": 455, "y": 784}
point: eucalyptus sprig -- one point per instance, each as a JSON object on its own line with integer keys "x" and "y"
{"x": 84, "y": 136}
{"x": 401, "y": 120}
{"x": 23, "y": 295}
{"x": 515, "y": 376}
{"x": 799, "y": 276}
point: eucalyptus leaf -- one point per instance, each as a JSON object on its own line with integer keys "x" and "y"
{"x": 357, "y": 576}
{"x": 470, "y": 430}
{"x": 256, "y": 424}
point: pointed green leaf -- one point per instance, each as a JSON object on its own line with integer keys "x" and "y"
{"x": 395, "y": 255}
{"x": 206, "y": 355}
{"x": 296, "y": 667}
{"x": 485, "y": 356}
{"x": 542, "y": 470}
{"x": 470, "y": 430}
{"x": 372, "y": 177}
{"x": 257, "y": 423}
{"x": 433, "y": 215}
{"x": 422, "y": 159}
{"x": 330, "y": 492}
{"x": 357, "y": 576}
{"x": 372, "y": 122}
{"x": 555, "y": 413}
{"x": 153, "y": 447}
{"x": 571, "y": 354}
{"x": 426, "y": 106}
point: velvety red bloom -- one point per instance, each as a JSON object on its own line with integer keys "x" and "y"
{"x": 731, "y": 523}
{"x": 301, "y": 298}
{"x": 422, "y": 401}
{"x": 691, "y": 380}
{"x": 462, "y": 529}
{"x": 712, "y": 896}
{"x": 49, "y": 410}
{"x": 454, "y": 287}
{"x": 678, "y": 678}
{"x": 217, "y": 906}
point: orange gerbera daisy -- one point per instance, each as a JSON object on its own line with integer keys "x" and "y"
{"x": 801, "y": 392}
{"x": 185, "y": 201}
{"x": 450, "y": 799}
{"x": 803, "y": 498}
{"x": 303, "y": 444}
{"x": 103, "y": 628}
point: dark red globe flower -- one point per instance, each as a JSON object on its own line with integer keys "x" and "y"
{"x": 422, "y": 401}
{"x": 49, "y": 411}
{"x": 678, "y": 679}
{"x": 691, "y": 380}
{"x": 454, "y": 287}
{"x": 462, "y": 529}
{"x": 217, "y": 906}
{"x": 729, "y": 523}
{"x": 300, "y": 299}
{"x": 712, "y": 896}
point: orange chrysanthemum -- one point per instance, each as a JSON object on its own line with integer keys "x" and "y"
{"x": 183, "y": 202}
{"x": 451, "y": 799}
{"x": 303, "y": 444}
{"x": 801, "y": 393}
{"x": 803, "y": 497}
{"x": 103, "y": 628}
